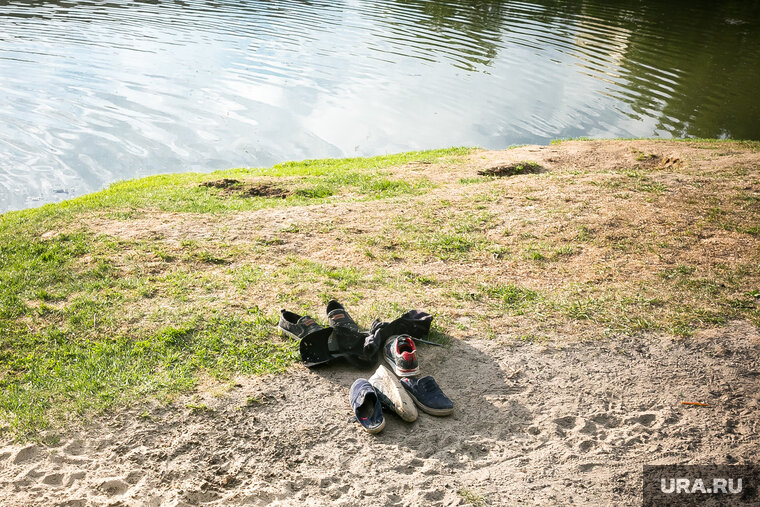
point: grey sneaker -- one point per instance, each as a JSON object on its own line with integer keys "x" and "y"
{"x": 401, "y": 354}
{"x": 337, "y": 316}
{"x": 296, "y": 326}
{"x": 392, "y": 394}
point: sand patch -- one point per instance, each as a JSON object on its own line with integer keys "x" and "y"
{"x": 534, "y": 424}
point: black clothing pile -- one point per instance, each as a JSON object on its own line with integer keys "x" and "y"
{"x": 343, "y": 340}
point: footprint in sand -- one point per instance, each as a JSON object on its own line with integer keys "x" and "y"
{"x": 73, "y": 477}
{"x": 411, "y": 465}
{"x": 587, "y": 467}
{"x": 434, "y": 495}
{"x": 589, "y": 428}
{"x": 74, "y": 448}
{"x": 533, "y": 430}
{"x": 605, "y": 420}
{"x": 113, "y": 487}
{"x": 54, "y": 479}
{"x": 198, "y": 497}
{"x": 567, "y": 422}
{"x": 586, "y": 445}
{"x": 25, "y": 454}
{"x": 643, "y": 419}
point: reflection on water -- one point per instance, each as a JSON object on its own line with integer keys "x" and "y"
{"x": 92, "y": 91}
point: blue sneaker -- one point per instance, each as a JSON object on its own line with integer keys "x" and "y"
{"x": 366, "y": 405}
{"x": 427, "y": 395}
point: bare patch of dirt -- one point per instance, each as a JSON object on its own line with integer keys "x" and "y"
{"x": 512, "y": 169}
{"x": 265, "y": 191}
{"x": 223, "y": 183}
{"x": 240, "y": 189}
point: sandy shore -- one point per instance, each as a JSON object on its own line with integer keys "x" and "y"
{"x": 534, "y": 424}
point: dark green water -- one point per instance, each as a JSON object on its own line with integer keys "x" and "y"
{"x": 92, "y": 92}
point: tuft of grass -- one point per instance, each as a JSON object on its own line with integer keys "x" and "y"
{"x": 471, "y": 497}
{"x": 199, "y": 408}
{"x": 449, "y": 245}
{"x": 471, "y": 180}
{"x": 533, "y": 254}
{"x": 512, "y": 297}
{"x": 207, "y": 257}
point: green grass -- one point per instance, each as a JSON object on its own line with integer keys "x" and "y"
{"x": 513, "y": 297}
{"x": 311, "y": 180}
{"x": 52, "y": 374}
{"x": 472, "y": 498}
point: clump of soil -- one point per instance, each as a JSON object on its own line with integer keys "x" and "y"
{"x": 670, "y": 162}
{"x": 232, "y": 187}
{"x": 265, "y": 191}
{"x": 223, "y": 183}
{"x": 512, "y": 169}
{"x": 654, "y": 161}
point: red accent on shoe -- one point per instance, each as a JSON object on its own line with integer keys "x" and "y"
{"x": 407, "y": 344}
{"x": 408, "y": 356}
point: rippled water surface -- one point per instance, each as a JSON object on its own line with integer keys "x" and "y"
{"x": 93, "y": 92}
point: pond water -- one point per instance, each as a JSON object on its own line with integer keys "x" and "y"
{"x": 97, "y": 91}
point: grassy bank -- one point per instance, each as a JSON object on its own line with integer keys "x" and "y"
{"x": 147, "y": 287}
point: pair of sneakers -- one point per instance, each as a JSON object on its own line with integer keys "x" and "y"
{"x": 318, "y": 345}
{"x": 298, "y": 327}
{"x": 401, "y": 354}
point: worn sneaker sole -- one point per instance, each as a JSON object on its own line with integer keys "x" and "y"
{"x": 285, "y": 332}
{"x": 376, "y": 429}
{"x": 401, "y": 372}
{"x": 386, "y": 383}
{"x": 432, "y": 411}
